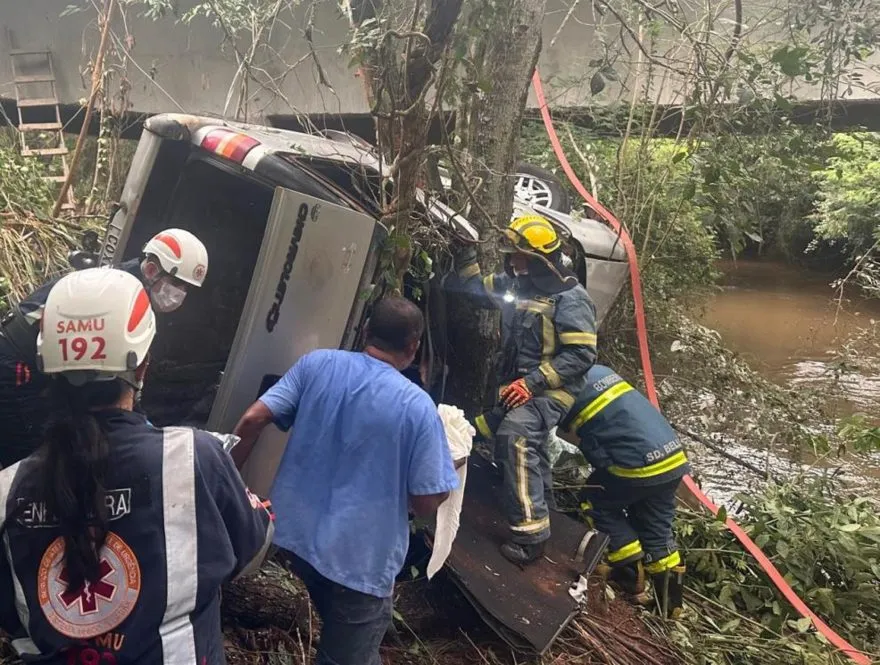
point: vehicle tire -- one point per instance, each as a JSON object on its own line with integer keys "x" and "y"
{"x": 532, "y": 184}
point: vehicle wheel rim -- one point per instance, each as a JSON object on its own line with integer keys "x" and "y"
{"x": 534, "y": 191}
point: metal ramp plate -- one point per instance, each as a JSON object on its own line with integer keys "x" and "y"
{"x": 528, "y": 607}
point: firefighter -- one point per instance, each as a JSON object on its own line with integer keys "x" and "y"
{"x": 638, "y": 464}
{"x": 173, "y": 261}
{"x": 548, "y": 342}
{"x": 118, "y": 535}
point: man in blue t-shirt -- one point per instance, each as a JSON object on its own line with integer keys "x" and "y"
{"x": 367, "y": 445}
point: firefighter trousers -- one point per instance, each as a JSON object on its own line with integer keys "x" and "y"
{"x": 637, "y": 518}
{"x": 23, "y": 406}
{"x": 521, "y": 451}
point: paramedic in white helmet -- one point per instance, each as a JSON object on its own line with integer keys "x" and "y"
{"x": 118, "y": 535}
{"x": 172, "y": 262}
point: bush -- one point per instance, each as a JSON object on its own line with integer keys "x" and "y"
{"x": 848, "y": 205}
{"x": 647, "y": 188}
{"x": 33, "y": 247}
{"x": 826, "y": 545}
{"x": 847, "y": 213}
{"x": 22, "y": 188}
{"x": 759, "y": 190}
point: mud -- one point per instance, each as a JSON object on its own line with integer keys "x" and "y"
{"x": 268, "y": 619}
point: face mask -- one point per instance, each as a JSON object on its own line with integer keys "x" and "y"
{"x": 166, "y": 297}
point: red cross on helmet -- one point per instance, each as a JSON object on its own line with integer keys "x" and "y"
{"x": 180, "y": 254}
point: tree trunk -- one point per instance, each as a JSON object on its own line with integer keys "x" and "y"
{"x": 398, "y": 61}
{"x": 488, "y": 127}
{"x": 401, "y": 46}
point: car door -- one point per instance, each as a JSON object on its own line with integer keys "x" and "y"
{"x": 316, "y": 261}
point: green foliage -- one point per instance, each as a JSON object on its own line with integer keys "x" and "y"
{"x": 831, "y": 38}
{"x": 649, "y": 191}
{"x": 22, "y": 188}
{"x": 736, "y": 190}
{"x": 826, "y": 546}
{"x": 796, "y": 192}
{"x": 859, "y": 433}
{"x": 32, "y": 246}
{"x": 234, "y": 16}
{"x": 848, "y": 205}
{"x": 759, "y": 189}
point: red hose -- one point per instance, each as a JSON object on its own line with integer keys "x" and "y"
{"x": 641, "y": 332}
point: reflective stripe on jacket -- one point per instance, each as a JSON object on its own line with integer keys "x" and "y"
{"x": 181, "y": 523}
{"x": 624, "y": 434}
{"x": 550, "y": 340}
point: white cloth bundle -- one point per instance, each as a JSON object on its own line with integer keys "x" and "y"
{"x": 460, "y": 437}
{"x": 557, "y": 447}
{"x": 229, "y": 441}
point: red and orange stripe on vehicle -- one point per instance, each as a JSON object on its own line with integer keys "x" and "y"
{"x": 229, "y": 144}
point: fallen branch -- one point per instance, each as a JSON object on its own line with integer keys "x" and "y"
{"x": 610, "y": 635}
{"x": 619, "y": 631}
{"x": 720, "y": 450}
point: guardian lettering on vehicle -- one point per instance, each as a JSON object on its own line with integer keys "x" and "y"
{"x": 281, "y": 289}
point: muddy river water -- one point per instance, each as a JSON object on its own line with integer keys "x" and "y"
{"x": 787, "y": 323}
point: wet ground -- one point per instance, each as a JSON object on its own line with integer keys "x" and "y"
{"x": 268, "y": 620}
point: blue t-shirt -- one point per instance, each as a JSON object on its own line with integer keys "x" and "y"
{"x": 364, "y": 438}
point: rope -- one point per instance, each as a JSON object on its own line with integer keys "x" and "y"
{"x": 641, "y": 332}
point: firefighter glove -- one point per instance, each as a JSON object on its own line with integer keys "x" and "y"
{"x": 516, "y": 394}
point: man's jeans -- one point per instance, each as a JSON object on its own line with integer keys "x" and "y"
{"x": 354, "y": 623}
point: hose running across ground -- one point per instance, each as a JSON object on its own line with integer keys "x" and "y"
{"x": 644, "y": 352}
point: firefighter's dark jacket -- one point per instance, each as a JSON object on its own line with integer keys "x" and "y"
{"x": 182, "y": 523}
{"x": 20, "y": 326}
{"x": 548, "y": 339}
{"x": 622, "y": 433}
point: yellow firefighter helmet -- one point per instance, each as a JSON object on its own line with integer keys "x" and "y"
{"x": 532, "y": 233}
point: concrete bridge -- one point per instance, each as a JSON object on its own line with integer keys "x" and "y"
{"x": 177, "y": 67}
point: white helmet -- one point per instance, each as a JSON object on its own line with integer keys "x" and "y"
{"x": 180, "y": 254}
{"x": 97, "y": 325}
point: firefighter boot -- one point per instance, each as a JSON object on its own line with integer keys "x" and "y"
{"x": 669, "y": 591}
{"x": 629, "y": 578}
{"x": 521, "y": 554}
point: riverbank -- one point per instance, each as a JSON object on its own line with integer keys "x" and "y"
{"x": 784, "y": 430}
{"x": 821, "y": 351}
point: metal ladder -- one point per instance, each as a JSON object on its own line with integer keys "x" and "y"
{"x": 33, "y": 70}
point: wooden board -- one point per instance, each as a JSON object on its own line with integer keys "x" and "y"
{"x": 527, "y": 606}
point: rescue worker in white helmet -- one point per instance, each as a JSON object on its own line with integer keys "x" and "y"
{"x": 172, "y": 262}
{"x": 118, "y": 535}
{"x": 548, "y": 342}
{"x": 638, "y": 465}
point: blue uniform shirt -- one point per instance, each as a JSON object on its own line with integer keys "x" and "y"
{"x": 364, "y": 438}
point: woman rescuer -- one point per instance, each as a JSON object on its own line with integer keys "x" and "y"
{"x": 117, "y": 535}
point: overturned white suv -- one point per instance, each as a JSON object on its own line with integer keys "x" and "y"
{"x": 290, "y": 221}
